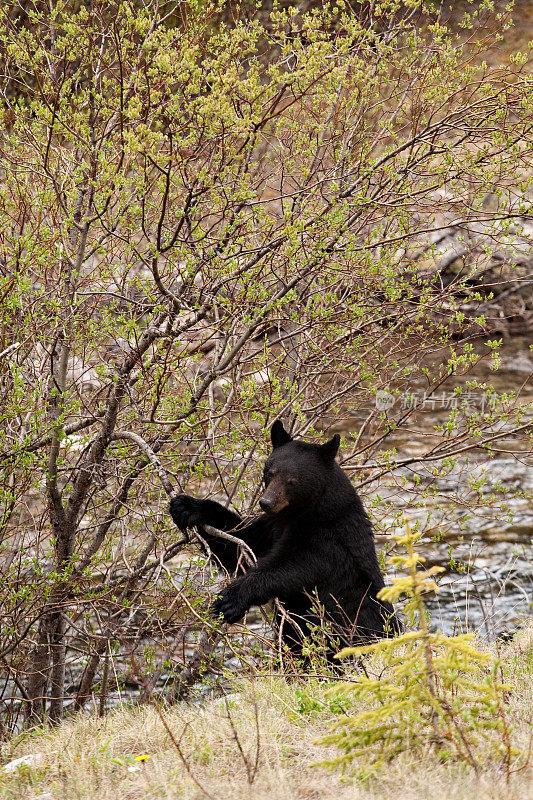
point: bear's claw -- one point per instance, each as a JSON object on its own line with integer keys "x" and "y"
{"x": 228, "y": 607}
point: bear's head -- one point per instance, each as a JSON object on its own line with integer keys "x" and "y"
{"x": 296, "y": 473}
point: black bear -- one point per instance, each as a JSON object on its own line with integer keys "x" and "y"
{"x": 313, "y": 542}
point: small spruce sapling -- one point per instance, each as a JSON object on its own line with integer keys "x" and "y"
{"x": 422, "y": 688}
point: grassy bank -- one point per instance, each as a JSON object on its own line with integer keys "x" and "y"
{"x": 260, "y": 741}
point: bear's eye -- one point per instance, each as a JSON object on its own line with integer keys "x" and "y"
{"x": 291, "y": 481}
{"x": 269, "y": 474}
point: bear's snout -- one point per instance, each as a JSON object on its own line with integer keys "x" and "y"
{"x": 273, "y": 500}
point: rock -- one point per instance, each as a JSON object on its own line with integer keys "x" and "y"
{"x": 31, "y": 760}
{"x": 495, "y": 258}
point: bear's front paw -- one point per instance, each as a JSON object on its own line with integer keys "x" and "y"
{"x": 229, "y": 605}
{"x": 186, "y": 511}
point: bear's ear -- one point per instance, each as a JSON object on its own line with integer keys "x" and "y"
{"x": 329, "y": 450}
{"x": 279, "y": 435}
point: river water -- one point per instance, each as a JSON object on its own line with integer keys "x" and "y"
{"x": 486, "y": 548}
{"x": 487, "y": 555}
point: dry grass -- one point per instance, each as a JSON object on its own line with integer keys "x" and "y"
{"x": 101, "y": 758}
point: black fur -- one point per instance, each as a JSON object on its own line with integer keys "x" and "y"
{"x": 315, "y": 540}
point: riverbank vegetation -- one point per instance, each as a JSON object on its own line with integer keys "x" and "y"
{"x": 261, "y": 739}
{"x": 206, "y": 224}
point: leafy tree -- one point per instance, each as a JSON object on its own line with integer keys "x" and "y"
{"x": 203, "y": 227}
